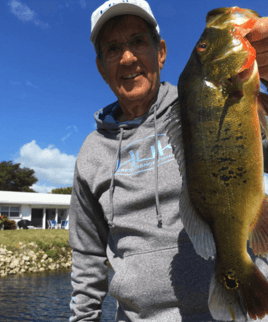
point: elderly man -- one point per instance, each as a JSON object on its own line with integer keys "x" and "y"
{"x": 124, "y": 205}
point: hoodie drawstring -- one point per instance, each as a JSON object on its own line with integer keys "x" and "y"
{"x": 110, "y": 221}
{"x": 158, "y": 212}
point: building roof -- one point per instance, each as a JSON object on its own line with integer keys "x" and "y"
{"x": 31, "y": 198}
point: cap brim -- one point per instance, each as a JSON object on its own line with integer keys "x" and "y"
{"x": 118, "y": 10}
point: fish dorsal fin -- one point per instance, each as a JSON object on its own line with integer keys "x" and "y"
{"x": 197, "y": 229}
{"x": 258, "y": 231}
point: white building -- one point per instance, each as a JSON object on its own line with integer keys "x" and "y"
{"x": 36, "y": 207}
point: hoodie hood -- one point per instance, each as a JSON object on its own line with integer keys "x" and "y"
{"x": 106, "y": 121}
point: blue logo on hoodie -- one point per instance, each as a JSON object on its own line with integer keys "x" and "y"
{"x": 135, "y": 160}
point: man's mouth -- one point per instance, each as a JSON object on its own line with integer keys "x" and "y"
{"x": 130, "y": 76}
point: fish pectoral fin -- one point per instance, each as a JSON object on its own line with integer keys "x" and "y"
{"x": 224, "y": 304}
{"x": 197, "y": 229}
{"x": 258, "y": 231}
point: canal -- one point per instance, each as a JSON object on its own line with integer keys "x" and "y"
{"x": 42, "y": 297}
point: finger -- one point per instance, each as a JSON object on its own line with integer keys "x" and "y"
{"x": 260, "y": 46}
{"x": 262, "y": 59}
{"x": 259, "y": 31}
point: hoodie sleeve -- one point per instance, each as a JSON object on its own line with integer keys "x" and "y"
{"x": 88, "y": 232}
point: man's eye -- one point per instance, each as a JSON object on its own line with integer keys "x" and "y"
{"x": 138, "y": 41}
{"x": 112, "y": 49}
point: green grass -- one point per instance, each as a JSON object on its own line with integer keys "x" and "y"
{"x": 44, "y": 238}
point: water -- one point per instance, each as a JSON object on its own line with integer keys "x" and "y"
{"x": 42, "y": 297}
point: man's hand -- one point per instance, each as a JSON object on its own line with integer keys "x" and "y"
{"x": 258, "y": 37}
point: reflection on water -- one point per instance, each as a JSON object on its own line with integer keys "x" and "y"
{"x": 42, "y": 297}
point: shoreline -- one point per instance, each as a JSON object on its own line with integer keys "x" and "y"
{"x": 29, "y": 257}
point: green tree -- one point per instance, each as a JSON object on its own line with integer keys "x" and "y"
{"x": 63, "y": 191}
{"x": 14, "y": 178}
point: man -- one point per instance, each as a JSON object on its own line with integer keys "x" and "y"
{"x": 124, "y": 207}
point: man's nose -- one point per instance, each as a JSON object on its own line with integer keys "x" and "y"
{"x": 128, "y": 57}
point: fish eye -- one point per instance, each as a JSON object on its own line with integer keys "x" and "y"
{"x": 201, "y": 47}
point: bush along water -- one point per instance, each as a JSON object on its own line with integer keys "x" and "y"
{"x": 33, "y": 257}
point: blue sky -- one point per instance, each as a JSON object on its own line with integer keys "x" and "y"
{"x": 49, "y": 83}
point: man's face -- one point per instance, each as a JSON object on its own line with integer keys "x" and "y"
{"x": 133, "y": 77}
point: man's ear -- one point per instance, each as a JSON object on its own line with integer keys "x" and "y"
{"x": 162, "y": 53}
{"x": 101, "y": 70}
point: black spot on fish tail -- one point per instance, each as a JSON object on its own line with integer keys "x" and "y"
{"x": 239, "y": 124}
{"x": 245, "y": 181}
{"x": 231, "y": 283}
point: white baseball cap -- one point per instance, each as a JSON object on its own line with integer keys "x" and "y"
{"x": 114, "y": 8}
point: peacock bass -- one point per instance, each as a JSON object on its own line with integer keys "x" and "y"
{"x": 215, "y": 134}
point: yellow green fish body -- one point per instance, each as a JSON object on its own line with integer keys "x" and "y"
{"x": 222, "y": 163}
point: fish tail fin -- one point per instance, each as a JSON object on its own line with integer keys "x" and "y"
{"x": 258, "y": 231}
{"x": 248, "y": 295}
{"x": 224, "y": 304}
{"x": 254, "y": 292}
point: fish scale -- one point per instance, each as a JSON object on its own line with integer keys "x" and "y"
{"x": 219, "y": 151}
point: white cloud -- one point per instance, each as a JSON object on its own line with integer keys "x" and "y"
{"x": 49, "y": 164}
{"x": 71, "y": 129}
{"x": 25, "y": 14}
{"x": 83, "y": 4}
{"x": 41, "y": 24}
{"x": 14, "y": 83}
{"x": 42, "y": 189}
{"x": 28, "y": 83}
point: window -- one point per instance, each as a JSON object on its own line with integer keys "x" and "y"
{"x": 10, "y": 211}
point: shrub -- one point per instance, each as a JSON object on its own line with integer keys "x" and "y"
{"x": 3, "y": 219}
{"x": 9, "y": 224}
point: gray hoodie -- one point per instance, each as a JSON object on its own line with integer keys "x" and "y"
{"x": 126, "y": 209}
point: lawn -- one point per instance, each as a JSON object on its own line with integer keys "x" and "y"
{"x": 44, "y": 238}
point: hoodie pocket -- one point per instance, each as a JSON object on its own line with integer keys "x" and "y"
{"x": 164, "y": 280}
{"x": 143, "y": 280}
